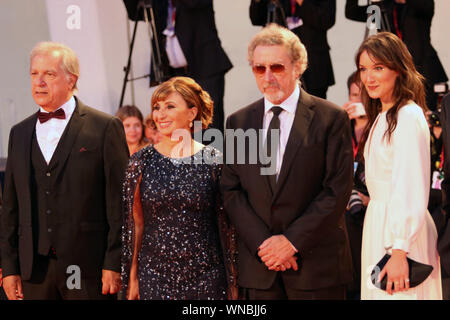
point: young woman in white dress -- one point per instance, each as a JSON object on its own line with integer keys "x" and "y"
{"x": 396, "y": 145}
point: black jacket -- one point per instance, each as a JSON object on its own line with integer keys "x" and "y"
{"x": 85, "y": 195}
{"x": 308, "y": 204}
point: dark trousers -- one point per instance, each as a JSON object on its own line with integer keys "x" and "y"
{"x": 445, "y": 288}
{"x": 281, "y": 291}
{"x": 49, "y": 283}
{"x": 354, "y": 223}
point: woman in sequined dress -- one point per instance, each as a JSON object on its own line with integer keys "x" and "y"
{"x": 177, "y": 241}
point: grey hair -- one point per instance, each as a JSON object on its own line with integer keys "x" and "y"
{"x": 69, "y": 61}
{"x": 275, "y": 35}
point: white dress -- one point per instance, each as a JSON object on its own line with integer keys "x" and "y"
{"x": 398, "y": 180}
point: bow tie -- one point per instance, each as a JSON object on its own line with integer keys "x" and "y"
{"x": 45, "y": 116}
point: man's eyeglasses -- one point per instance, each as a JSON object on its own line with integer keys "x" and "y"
{"x": 274, "y": 68}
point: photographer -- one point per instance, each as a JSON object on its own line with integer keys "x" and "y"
{"x": 411, "y": 21}
{"x": 355, "y": 111}
{"x": 359, "y": 199}
{"x": 310, "y": 21}
{"x": 437, "y": 174}
{"x": 190, "y": 25}
{"x": 442, "y": 223}
{"x": 2, "y": 292}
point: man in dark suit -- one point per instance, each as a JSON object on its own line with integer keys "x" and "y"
{"x": 441, "y": 221}
{"x": 292, "y": 241}
{"x": 309, "y": 20}
{"x": 2, "y": 292}
{"x": 62, "y": 217}
{"x": 194, "y": 25}
{"x": 411, "y": 21}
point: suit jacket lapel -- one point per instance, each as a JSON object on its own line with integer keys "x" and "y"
{"x": 25, "y": 166}
{"x": 67, "y": 140}
{"x": 297, "y": 137}
{"x": 257, "y": 124}
{"x": 258, "y": 116}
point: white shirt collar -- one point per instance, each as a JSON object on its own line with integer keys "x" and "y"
{"x": 289, "y": 105}
{"x": 68, "y": 107}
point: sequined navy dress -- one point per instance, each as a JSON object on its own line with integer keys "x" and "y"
{"x": 186, "y": 240}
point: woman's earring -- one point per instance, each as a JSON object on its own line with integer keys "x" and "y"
{"x": 190, "y": 124}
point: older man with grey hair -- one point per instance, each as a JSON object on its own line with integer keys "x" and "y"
{"x": 61, "y": 219}
{"x": 292, "y": 241}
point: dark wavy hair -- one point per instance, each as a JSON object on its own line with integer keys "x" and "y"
{"x": 129, "y": 111}
{"x": 132, "y": 111}
{"x": 389, "y": 50}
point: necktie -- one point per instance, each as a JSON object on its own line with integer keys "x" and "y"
{"x": 274, "y": 125}
{"x": 45, "y": 116}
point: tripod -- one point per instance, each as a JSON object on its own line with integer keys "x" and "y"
{"x": 275, "y": 13}
{"x": 146, "y": 6}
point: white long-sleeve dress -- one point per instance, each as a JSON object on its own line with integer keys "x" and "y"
{"x": 398, "y": 180}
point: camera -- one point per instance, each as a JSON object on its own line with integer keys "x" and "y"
{"x": 434, "y": 119}
{"x": 355, "y": 204}
{"x": 440, "y": 90}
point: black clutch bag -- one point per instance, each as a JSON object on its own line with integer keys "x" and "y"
{"x": 418, "y": 272}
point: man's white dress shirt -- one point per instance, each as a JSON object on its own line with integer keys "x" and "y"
{"x": 49, "y": 133}
{"x": 286, "y": 117}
